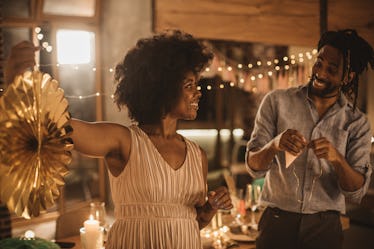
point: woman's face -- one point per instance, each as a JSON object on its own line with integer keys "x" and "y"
{"x": 188, "y": 103}
{"x": 327, "y": 72}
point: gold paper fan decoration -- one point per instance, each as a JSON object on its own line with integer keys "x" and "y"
{"x": 34, "y": 143}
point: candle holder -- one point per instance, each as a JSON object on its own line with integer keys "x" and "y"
{"x": 92, "y": 241}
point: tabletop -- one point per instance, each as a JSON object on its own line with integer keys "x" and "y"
{"x": 239, "y": 244}
{"x": 78, "y": 245}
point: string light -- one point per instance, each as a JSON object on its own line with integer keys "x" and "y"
{"x": 239, "y": 72}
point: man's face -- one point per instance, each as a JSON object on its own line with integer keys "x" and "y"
{"x": 327, "y": 72}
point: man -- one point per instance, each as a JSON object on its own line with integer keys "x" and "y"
{"x": 329, "y": 140}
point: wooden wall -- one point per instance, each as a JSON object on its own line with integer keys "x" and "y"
{"x": 283, "y": 22}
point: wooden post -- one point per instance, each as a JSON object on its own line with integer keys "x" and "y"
{"x": 323, "y": 16}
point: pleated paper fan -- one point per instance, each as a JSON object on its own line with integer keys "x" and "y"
{"x": 34, "y": 143}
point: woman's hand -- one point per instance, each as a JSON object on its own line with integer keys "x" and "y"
{"x": 21, "y": 57}
{"x": 220, "y": 199}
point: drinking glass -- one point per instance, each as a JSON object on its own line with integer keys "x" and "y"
{"x": 97, "y": 210}
{"x": 251, "y": 201}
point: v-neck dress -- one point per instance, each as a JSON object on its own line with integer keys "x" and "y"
{"x": 154, "y": 204}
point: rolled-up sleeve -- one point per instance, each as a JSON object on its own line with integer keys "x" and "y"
{"x": 263, "y": 131}
{"x": 358, "y": 156}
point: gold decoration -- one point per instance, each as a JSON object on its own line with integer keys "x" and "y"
{"x": 34, "y": 143}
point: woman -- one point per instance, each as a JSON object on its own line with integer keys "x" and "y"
{"x": 157, "y": 177}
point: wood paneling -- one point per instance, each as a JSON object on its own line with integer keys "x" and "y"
{"x": 356, "y": 14}
{"x": 284, "y": 22}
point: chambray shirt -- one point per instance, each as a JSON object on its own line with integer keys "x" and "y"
{"x": 309, "y": 184}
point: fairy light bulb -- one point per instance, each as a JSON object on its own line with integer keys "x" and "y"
{"x": 40, "y": 36}
{"x": 198, "y": 88}
{"x": 260, "y": 76}
{"x": 37, "y": 30}
{"x": 277, "y": 68}
{"x": 219, "y": 69}
{"x": 232, "y": 84}
{"x": 253, "y": 78}
{"x": 270, "y": 73}
{"x": 221, "y": 86}
{"x": 286, "y": 67}
{"x": 229, "y": 68}
{"x": 268, "y": 63}
{"x": 207, "y": 69}
{"x": 209, "y": 87}
{"x": 276, "y": 61}
{"x": 240, "y": 66}
{"x": 285, "y": 58}
{"x": 314, "y": 51}
{"x": 259, "y": 63}
{"x": 250, "y": 65}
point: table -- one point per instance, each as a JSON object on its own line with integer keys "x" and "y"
{"x": 78, "y": 245}
{"x": 242, "y": 245}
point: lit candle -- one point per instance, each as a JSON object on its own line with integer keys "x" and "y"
{"x": 92, "y": 232}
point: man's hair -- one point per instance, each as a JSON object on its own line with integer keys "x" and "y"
{"x": 357, "y": 54}
{"x": 149, "y": 79}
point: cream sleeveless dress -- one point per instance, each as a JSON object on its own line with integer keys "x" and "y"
{"x": 155, "y": 204}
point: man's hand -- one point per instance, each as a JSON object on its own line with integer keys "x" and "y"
{"x": 291, "y": 141}
{"x": 324, "y": 149}
{"x": 21, "y": 57}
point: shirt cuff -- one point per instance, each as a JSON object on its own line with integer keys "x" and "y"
{"x": 356, "y": 196}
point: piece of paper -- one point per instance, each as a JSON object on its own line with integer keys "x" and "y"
{"x": 290, "y": 158}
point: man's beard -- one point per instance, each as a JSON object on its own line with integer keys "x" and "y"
{"x": 328, "y": 91}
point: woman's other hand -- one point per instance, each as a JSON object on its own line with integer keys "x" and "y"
{"x": 21, "y": 57}
{"x": 220, "y": 199}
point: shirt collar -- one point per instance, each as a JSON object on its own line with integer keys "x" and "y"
{"x": 342, "y": 100}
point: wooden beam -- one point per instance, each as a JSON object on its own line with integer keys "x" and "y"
{"x": 274, "y": 22}
{"x": 286, "y": 22}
